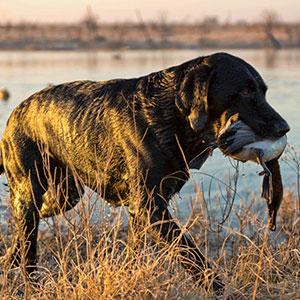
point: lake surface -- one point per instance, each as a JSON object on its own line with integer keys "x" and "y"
{"x": 24, "y": 73}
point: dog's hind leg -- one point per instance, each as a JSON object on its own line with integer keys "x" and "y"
{"x": 22, "y": 162}
{"x": 63, "y": 192}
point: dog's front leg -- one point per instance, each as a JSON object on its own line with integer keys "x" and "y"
{"x": 162, "y": 228}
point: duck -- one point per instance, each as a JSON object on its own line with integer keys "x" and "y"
{"x": 4, "y": 94}
{"x": 239, "y": 141}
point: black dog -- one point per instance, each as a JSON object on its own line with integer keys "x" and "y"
{"x": 134, "y": 136}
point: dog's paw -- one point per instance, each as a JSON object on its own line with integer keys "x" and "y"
{"x": 218, "y": 286}
{"x": 210, "y": 282}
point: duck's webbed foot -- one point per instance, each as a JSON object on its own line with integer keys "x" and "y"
{"x": 266, "y": 188}
{"x": 260, "y": 160}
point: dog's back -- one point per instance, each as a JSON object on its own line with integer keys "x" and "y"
{"x": 82, "y": 124}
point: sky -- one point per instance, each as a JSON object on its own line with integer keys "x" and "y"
{"x": 126, "y": 10}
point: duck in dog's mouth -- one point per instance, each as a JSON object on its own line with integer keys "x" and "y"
{"x": 239, "y": 141}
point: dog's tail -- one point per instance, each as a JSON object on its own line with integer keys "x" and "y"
{"x": 1, "y": 165}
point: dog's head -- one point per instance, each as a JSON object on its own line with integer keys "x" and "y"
{"x": 216, "y": 87}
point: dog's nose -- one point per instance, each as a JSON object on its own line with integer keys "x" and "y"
{"x": 282, "y": 128}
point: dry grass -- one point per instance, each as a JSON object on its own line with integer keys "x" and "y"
{"x": 84, "y": 254}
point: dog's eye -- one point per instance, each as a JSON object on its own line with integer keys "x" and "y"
{"x": 245, "y": 92}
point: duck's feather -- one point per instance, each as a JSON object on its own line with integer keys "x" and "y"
{"x": 276, "y": 193}
{"x": 236, "y": 137}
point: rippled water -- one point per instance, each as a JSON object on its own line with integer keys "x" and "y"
{"x": 23, "y": 73}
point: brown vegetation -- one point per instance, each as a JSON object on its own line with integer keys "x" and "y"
{"x": 84, "y": 254}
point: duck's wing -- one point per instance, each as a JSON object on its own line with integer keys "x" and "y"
{"x": 236, "y": 137}
{"x": 243, "y": 137}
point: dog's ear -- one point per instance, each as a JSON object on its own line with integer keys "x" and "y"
{"x": 191, "y": 99}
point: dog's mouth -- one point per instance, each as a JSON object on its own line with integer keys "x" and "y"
{"x": 262, "y": 129}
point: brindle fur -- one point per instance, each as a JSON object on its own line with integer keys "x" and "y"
{"x": 135, "y": 136}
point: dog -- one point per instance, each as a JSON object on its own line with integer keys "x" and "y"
{"x": 136, "y": 136}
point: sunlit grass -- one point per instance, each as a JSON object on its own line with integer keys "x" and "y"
{"x": 84, "y": 254}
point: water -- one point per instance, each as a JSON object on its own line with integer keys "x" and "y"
{"x": 23, "y": 73}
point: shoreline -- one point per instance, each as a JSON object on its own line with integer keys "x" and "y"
{"x": 69, "y": 45}
{"x": 142, "y": 36}
{"x": 74, "y": 46}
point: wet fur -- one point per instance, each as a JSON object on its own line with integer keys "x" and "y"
{"x": 135, "y": 136}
